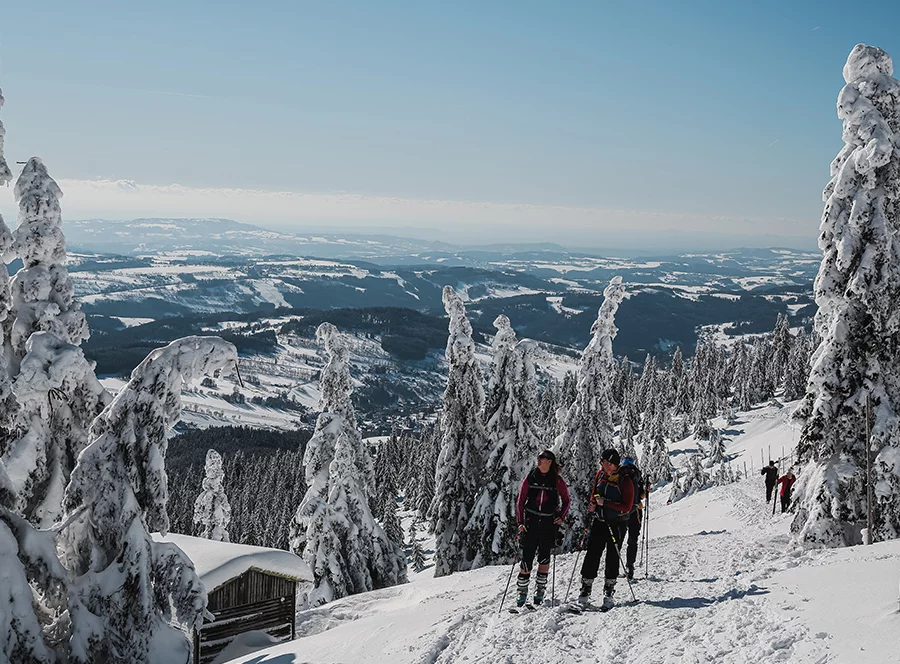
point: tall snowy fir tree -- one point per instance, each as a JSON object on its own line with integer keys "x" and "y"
{"x": 857, "y": 291}
{"x": 459, "y": 465}
{"x": 126, "y": 589}
{"x": 334, "y": 528}
{"x": 657, "y": 464}
{"x": 796, "y": 373}
{"x": 212, "y": 512}
{"x": 5, "y": 173}
{"x": 56, "y": 389}
{"x": 32, "y": 591}
{"x": 588, "y": 427}
{"x": 8, "y": 405}
{"x": 509, "y": 414}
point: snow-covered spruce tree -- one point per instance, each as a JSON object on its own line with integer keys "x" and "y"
{"x": 858, "y": 294}
{"x": 762, "y": 384}
{"x": 588, "y": 427}
{"x": 58, "y": 395}
{"x": 676, "y": 491}
{"x": 212, "y": 512}
{"x": 125, "y": 587}
{"x": 391, "y": 523}
{"x": 780, "y": 350}
{"x": 42, "y": 291}
{"x": 429, "y": 450}
{"x": 333, "y": 527}
{"x": 336, "y": 412}
{"x": 796, "y": 373}
{"x": 657, "y": 465}
{"x": 647, "y": 384}
{"x": 9, "y": 407}
{"x": 723, "y": 475}
{"x": 738, "y": 370}
{"x": 5, "y": 174}
{"x": 631, "y": 420}
{"x": 695, "y": 478}
{"x": 417, "y": 555}
{"x": 509, "y": 413}
{"x": 386, "y": 487}
{"x": 33, "y": 593}
{"x": 56, "y": 389}
{"x": 459, "y": 466}
{"x": 716, "y": 455}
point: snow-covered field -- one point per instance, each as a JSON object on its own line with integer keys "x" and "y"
{"x": 724, "y": 584}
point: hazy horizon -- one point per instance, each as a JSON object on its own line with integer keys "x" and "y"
{"x": 701, "y": 124}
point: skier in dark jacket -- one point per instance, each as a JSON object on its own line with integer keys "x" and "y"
{"x": 771, "y": 473}
{"x": 635, "y": 521}
{"x": 612, "y": 501}
{"x": 542, "y": 505}
{"x": 787, "y": 484}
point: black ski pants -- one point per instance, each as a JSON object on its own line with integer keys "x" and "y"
{"x": 769, "y": 488}
{"x": 634, "y": 532}
{"x": 539, "y": 537}
{"x": 608, "y": 537}
{"x": 785, "y": 502}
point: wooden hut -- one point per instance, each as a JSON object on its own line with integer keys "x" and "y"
{"x": 250, "y": 588}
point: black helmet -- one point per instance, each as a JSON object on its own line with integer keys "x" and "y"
{"x": 610, "y": 455}
{"x": 547, "y": 454}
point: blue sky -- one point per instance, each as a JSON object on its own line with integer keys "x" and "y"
{"x": 593, "y": 117}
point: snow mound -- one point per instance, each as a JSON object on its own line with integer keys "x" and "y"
{"x": 218, "y": 562}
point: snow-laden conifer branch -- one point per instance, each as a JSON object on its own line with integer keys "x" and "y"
{"x": 125, "y": 586}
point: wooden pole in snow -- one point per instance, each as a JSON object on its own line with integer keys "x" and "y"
{"x": 869, "y": 537}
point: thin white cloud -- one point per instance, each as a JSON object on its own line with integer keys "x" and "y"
{"x": 477, "y": 221}
{"x": 165, "y": 92}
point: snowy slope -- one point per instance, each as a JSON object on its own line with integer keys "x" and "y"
{"x": 725, "y": 585}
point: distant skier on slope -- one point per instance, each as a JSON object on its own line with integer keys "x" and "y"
{"x": 787, "y": 484}
{"x": 612, "y": 501}
{"x": 630, "y": 468}
{"x": 542, "y": 505}
{"x": 771, "y": 473}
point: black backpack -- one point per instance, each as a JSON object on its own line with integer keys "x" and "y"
{"x": 633, "y": 473}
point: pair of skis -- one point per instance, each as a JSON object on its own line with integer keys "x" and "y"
{"x": 571, "y": 607}
{"x": 578, "y": 609}
{"x": 525, "y": 608}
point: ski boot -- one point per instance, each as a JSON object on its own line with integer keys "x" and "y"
{"x": 522, "y": 587}
{"x": 609, "y": 589}
{"x": 584, "y": 595}
{"x": 541, "y": 589}
{"x": 629, "y": 572}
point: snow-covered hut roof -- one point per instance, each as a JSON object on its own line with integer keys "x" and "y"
{"x": 217, "y": 563}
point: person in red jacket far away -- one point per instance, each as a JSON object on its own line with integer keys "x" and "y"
{"x": 787, "y": 484}
{"x": 542, "y": 505}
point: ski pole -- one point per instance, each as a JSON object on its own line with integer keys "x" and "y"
{"x": 508, "y": 579}
{"x": 643, "y": 534}
{"x": 647, "y": 538}
{"x": 553, "y": 580}
{"x": 619, "y": 556}
{"x": 577, "y": 555}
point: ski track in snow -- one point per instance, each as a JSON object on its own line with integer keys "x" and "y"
{"x": 682, "y": 615}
